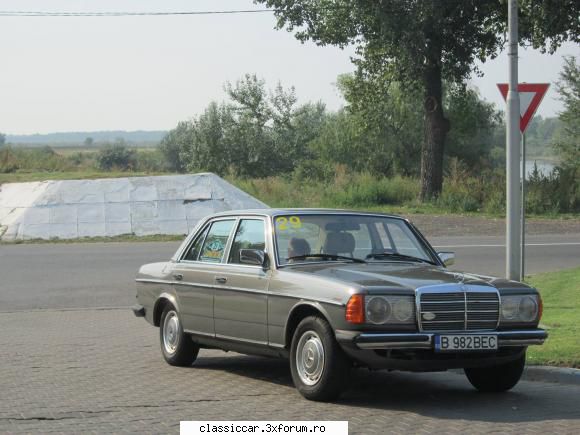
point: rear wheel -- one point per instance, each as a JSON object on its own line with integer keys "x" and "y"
{"x": 319, "y": 367}
{"x": 499, "y": 378}
{"x": 176, "y": 346}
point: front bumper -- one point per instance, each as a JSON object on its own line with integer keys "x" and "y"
{"x": 416, "y": 351}
{"x": 423, "y": 340}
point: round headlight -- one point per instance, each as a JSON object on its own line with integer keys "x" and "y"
{"x": 528, "y": 309}
{"x": 378, "y": 310}
{"x": 509, "y": 308}
{"x": 403, "y": 309}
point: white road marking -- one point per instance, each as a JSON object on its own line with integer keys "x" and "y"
{"x": 503, "y": 246}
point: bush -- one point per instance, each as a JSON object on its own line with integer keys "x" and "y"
{"x": 116, "y": 156}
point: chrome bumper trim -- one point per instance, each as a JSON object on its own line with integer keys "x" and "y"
{"x": 425, "y": 341}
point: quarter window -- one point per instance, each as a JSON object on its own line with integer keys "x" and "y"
{"x": 215, "y": 243}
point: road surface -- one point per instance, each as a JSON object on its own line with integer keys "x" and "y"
{"x": 81, "y": 275}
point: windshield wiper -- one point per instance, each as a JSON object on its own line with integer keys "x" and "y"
{"x": 329, "y": 256}
{"x": 396, "y": 255}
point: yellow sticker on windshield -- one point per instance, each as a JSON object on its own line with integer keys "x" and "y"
{"x": 284, "y": 223}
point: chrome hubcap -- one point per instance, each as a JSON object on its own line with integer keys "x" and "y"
{"x": 171, "y": 332}
{"x": 310, "y": 358}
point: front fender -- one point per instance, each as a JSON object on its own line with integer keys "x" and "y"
{"x": 300, "y": 310}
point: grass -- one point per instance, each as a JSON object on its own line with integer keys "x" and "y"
{"x": 561, "y": 295}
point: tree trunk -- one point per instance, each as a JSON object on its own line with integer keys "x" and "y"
{"x": 436, "y": 128}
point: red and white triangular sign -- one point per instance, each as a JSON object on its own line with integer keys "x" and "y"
{"x": 531, "y": 95}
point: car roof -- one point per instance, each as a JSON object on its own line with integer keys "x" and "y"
{"x": 286, "y": 211}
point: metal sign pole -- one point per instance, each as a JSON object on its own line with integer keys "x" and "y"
{"x": 523, "y": 220}
{"x": 513, "y": 138}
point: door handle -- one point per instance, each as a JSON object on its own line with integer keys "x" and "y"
{"x": 221, "y": 280}
{"x": 178, "y": 276}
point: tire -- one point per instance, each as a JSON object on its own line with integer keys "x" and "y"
{"x": 319, "y": 367}
{"x": 176, "y": 346}
{"x": 499, "y": 378}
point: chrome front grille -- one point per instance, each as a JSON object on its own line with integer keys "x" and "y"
{"x": 458, "y": 311}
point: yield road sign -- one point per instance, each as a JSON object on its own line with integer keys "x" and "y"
{"x": 531, "y": 95}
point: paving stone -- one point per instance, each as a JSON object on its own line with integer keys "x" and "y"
{"x": 101, "y": 371}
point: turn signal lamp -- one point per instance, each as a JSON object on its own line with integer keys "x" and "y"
{"x": 355, "y": 309}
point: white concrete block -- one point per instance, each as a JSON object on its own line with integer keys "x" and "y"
{"x": 35, "y": 215}
{"x": 63, "y": 231}
{"x": 91, "y": 213}
{"x": 117, "y": 228}
{"x": 92, "y": 229}
{"x": 118, "y": 212}
{"x": 173, "y": 227}
{"x": 63, "y": 214}
{"x": 143, "y": 211}
{"x": 171, "y": 210}
{"x": 116, "y": 190}
{"x": 142, "y": 189}
{"x": 34, "y": 231}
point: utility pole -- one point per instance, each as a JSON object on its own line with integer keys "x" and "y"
{"x": 513, "y": 135}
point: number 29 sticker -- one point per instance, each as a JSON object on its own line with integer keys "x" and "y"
{"x": 284, "y": 223}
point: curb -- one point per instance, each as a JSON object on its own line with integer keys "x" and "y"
{"x": 558, "y": 375}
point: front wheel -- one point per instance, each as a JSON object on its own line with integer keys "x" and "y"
{"x": 499, "y": 378}
{"x": 176, "y": 346}
{"x": 319, "y": 367}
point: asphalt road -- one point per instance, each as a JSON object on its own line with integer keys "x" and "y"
{"x": 83, "y": 275}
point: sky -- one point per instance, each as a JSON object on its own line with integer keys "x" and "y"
{"x": 148, "y": 73}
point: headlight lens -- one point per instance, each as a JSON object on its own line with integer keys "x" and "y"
{"x": 519, "y": 309}
{"x": 378, "y": 310}
{"x": 509, "y": 308}
{"x": 528, "y": 309}
{"x": 390, "y": 309}
{"x": 404, "y": 309}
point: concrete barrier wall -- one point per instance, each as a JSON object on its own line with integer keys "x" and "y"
{"x": 109, "y": 207}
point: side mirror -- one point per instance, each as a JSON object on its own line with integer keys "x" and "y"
{"x": 448, "y": 258}
{"x": 253, "y": 257}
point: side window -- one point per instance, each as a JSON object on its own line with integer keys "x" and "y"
{"x": 250, "y": 235}
{"x": 195, "y": 248}
{"x": 215, "y": 243}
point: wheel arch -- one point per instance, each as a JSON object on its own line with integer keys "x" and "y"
{"x": 299, "y": 312}
{"x": 160, "y": 303}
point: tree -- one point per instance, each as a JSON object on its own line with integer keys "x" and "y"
{"x": 568, "y": 143}
{"x": 2, "y": 139}
{"x": 89, "y": 142}
{"x": 420, "y": 43}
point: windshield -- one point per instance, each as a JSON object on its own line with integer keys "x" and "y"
{"x": 304, "y": 238}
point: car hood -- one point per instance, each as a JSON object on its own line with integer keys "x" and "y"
{"x": 400, "y": 275}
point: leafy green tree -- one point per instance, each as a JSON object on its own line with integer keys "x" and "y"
{"x": 2, "y": 139}
{"x": 421, "y": 43}
{"x": 89, "y": 142}
{"x": 174, "y": 145}
{"x": 475, "y": 120}
{"x": 568, "y": 143}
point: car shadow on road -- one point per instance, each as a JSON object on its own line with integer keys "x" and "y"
{"x": 443, "y": 395}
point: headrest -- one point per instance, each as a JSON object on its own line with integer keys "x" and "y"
{"x": 339, "y": 243}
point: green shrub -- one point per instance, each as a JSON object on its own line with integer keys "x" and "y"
{"x": 115, "y": 156}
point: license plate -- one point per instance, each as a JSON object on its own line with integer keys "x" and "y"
{"x": 461, "y": 343}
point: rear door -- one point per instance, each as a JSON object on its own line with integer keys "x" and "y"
{"x": 195, "y": 276}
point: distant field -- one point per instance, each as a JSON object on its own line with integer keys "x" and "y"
{"x": 21, "y": 177}
{"x": 68, "y": 150}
